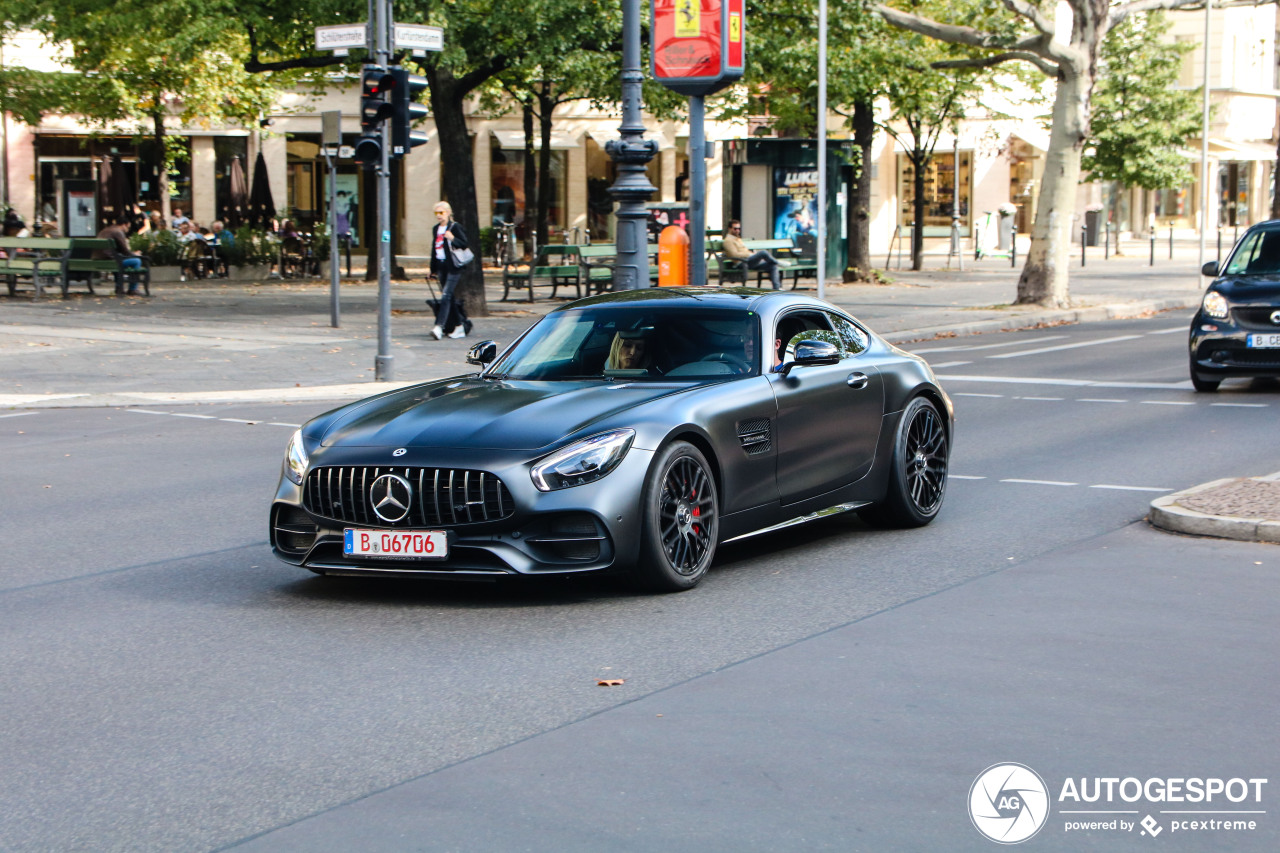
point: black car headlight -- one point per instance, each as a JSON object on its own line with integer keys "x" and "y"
{"x": 1215, "y": 305}
{"x": 295, "y": 458}
{"x": 583, "y": 461}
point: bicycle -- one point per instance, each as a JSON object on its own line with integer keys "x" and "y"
{"x": 504, "y": 244}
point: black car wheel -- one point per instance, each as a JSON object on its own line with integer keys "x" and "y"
{"x": 918, "y": 475}
{"x": 681, "y": 520}
{"x": 1205, "y": 385}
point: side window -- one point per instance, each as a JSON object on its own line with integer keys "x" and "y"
{"x": 852, "y": 339}
{"x": 801, "y": 325}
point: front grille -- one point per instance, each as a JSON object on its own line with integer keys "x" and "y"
{"x": 755, "y": 435}
{"x": 567, "y": 538}
{"x": 1257, "y": 318}
{"x": 441, "y": 496}
{"x": 1254, "y": 357}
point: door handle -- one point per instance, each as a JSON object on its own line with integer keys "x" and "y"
{"x": 857, "y": 381}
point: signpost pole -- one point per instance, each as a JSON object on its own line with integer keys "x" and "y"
{"x": 822, "y": 149}
{"x": 697, "y": 192}
{"x": 383, "y": 363}
{"x": 330, "y": 140}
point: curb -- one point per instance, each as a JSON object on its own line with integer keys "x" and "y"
{"x": 1168, "y": 514}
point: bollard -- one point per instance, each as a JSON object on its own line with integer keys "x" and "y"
{"x": 1084, "y": 241}
{"x": 1170, "y": 242}
{"x": 1106, "y": 240}
{"x": 1219, "y": 245}
{"x": 673, "y": 257}
{"x": 1013, "y": 248}
{"x": 1153, "y": 247}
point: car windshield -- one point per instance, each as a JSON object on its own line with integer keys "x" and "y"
{"x": 1257, "y": 254}
{"x": 626, "y": 342}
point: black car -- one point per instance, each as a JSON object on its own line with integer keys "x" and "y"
{"x": 1236, "y": 332}
{"x": 631, "y": 431}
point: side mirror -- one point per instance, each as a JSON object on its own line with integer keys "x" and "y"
{"x": 811, "y": 353}
{"x": 1210, "y": 269}
{"x": 482, "y": 353}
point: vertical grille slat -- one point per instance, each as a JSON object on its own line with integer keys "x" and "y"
{"x": 445, "y": 496}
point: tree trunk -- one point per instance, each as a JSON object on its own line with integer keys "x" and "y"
{"x": 864, "y": 130}
{"x": 919, "y": 161}
{"x": 162, "y": 167}
{"x": 545, "y": 107}
{"x": 458, "y": 178}
{"x": 530, "y": 211}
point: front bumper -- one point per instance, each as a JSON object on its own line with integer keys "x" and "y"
{"x": 587, "y": 528}
{"x": 1219, "y": 348}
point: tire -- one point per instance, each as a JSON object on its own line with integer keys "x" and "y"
{"x": 1203, "y": 385}
{"x": 681, "y": 521}
{"x": 918, "y": 470}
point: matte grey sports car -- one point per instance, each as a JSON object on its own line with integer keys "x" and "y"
{"x": 632, "y": 431}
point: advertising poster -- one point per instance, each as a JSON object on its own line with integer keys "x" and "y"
{"x": 795, "y": 205}
{"x": 347, "y": 207}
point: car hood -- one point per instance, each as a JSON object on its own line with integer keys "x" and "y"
{"x": 487, "y": 414}
{"x": 1252, "y": 288}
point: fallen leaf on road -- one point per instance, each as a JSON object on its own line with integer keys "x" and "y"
{"x": 609, "y": 682}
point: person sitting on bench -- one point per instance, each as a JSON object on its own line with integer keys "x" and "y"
{"x": 735, "y": 249}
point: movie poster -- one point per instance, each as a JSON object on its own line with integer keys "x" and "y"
{"x": 795, "y": 206}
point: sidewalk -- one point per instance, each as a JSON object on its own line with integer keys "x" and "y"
{"x": 217, "y": 342}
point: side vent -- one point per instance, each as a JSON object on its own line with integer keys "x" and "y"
{"x": 756, "y": 436}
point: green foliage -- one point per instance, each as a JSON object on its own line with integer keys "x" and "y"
{"x": 488, "y": 242}
{"x": 252, "y": 247}
{"x": 1139, "y": 120}
{"x": 162, "y": 247}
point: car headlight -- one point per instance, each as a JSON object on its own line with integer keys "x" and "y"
{"x": 1215, "y": 305}
{"x": 583, "y": 461}
{"x": 295, "y": 458}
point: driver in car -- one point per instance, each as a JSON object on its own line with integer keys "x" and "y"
{"x": 629, "y": 351}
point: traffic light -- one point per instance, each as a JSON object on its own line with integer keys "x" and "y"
{"x": 376, "y": 87}
{"x": 375, "y": 104}
{"x": 404, "y": 112}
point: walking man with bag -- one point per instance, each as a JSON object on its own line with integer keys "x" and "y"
{"x": 449, "y": 257}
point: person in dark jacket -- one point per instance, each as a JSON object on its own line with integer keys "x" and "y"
{"x": 447, "y": 234}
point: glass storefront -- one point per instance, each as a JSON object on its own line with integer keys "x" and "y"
{"x": 939, "y": 190}
{"x": 507, "y": 196}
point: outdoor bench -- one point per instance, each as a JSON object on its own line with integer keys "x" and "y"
{"x": 556, "y": 266}
{"x": 736, "y": 269}
{"x": 37, "y": 259}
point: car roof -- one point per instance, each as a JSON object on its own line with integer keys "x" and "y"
{"x": 696, "y": 298}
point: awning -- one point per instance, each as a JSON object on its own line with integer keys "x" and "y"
{"x": 1224, "y": 150}
{"x": 514, "y": 140}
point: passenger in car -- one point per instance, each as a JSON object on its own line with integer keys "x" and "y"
{"x": 629, "y": 351}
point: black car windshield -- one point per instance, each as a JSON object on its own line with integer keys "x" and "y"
{"x": 1257, "y": 254}
{"x": 628, "y": 342}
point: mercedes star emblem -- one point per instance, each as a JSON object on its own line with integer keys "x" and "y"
{"x": 391, "y": 496}
{"x": 1275, "y": 317}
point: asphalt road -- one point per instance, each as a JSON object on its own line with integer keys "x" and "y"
{"x": 168, "y": 685}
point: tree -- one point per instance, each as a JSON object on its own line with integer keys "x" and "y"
{"x": 170, "y": 64}
{"x": 1028, "y": 34}
{"x": 1140, "y": 121}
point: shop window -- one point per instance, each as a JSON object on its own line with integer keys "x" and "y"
{"x": 939, "y": 190}
{"x": 225, "y": 150}
{"x": 507, "y": 198}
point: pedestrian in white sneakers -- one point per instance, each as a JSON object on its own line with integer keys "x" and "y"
{"x": 449, "y": 241}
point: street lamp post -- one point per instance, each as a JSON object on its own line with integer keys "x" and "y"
{"x": 632, "y": 154}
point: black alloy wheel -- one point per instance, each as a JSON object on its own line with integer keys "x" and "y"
{"x": 681, "y": 520}
{"x": 918, "y": 474}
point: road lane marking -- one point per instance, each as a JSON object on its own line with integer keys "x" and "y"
{"x": 973, "y": 394}
{"x": 277, "y": 423}
{"x": 237, "y": 421}
{"x": 1060, "y": 347}
{"x": 971, "y": 348}
{"x": 1171, "y": 331}
{"x": 144, "y": 412}
{"x": 1040, "y": 482}
{"x": 1166, "y": 403}
{"x": 949, "y": 364}
{"x": 201, "y": 417}
{"x": 204, "y": 417}
{"x": 1242, "y": 405}
{"x": 964, "y": 477}
{"x": 1184, "y": 385}
{"x": 1047, "y": 399}
{"x": 1099, "y": 400}
{"x": 18, "y": 415}
{"x": 1131, "y": 488}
